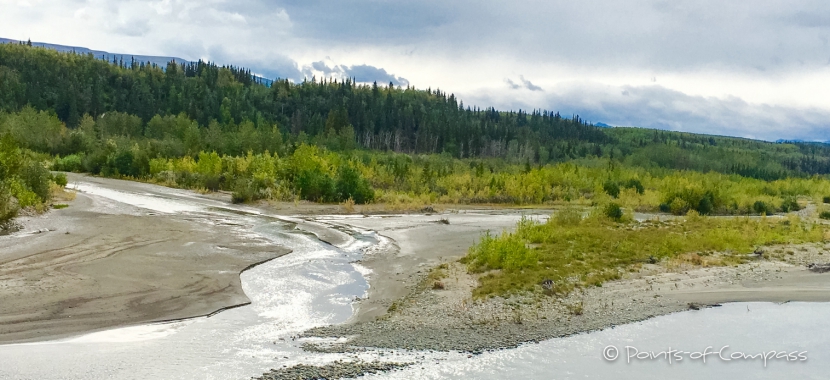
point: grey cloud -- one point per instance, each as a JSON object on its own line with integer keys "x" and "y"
{"x": 528, "y": 85}
{"x": 810, "y": 19}
{"x": 662, "y": 108}
{"x": 368, "y": 20}
{"x": 658, "y": 107}
{"x": 272, "y": 67}
{"x": 366, "y": 73}
{"x": 664, "y": 35}
{"x": 524, "y": 84}
{"x": 133, "y": 28}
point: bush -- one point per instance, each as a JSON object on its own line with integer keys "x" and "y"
{"x": 611, "y": 188}
{"x": 244, "y": 191}
{"x": 790, "y": 204}
{"x": 122, "y": 163}
{"x": 705, "y": 206}
{"x": 826, "y": 199}
{"x": 315, "y": 185}
{"x": 664, "y": 207}
{"x": 8, "y": 207}
{"x": 761, "y": 207}
{"x": 824, "y": 215}
{"x": 678, "y": 206}
{"x": 352, "y": 185}
{"x": 37, "y": 179}
{"x": 212, "y": 182}
{"x": 60, "y": 179}
{"x": 95, "y": 162}
{"x": 71, "y": 163}
{"x": 635, "y": 184}
{"x": 613, "y": 211}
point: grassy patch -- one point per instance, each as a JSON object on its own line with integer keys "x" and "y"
{"x": 60, "y": 206}
{"x": 575, "y": 252}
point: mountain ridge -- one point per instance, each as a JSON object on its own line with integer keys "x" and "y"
{"x": 160, "y": 61}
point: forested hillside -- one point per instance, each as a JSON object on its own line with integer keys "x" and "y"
{"x": 217, "y": 128}
{"x": 226, "y": 110}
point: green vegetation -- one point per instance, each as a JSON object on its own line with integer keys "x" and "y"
{"x": 215, "y": 128}
{"x": 575, "y": 252}
{"x": 614, "y": 212}
{"x": 186, "y": 108}
{"x": 24, "y": 181}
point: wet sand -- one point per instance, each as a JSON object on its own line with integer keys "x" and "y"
{"x": 100, "y": 264}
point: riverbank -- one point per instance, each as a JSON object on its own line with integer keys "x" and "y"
{"x": 98, "y": 264}
{"x": 446, "y": 317}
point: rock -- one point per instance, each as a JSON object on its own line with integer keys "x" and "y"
{"x": 819, "y": 268}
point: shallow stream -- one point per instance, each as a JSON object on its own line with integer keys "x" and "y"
{"x": 316, "y": 285}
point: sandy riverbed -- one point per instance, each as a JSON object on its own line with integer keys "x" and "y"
{"x": 124, "y": 265}
{"x": 100, "y": 264}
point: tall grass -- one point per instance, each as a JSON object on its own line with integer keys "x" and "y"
{"x": 575, "y": 252}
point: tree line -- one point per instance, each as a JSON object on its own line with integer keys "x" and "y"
{"x": 110, "y": 108}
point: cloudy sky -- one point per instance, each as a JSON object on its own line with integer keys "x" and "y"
{"x": 758, "y": 69}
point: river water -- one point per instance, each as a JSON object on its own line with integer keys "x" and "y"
{"x": 317, "y": 283}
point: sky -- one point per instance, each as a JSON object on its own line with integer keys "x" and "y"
{"x": 757, "y": 69}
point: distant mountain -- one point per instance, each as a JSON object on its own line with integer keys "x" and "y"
{"x": 115, "y": 57}
{"x": 603, "y": 125}
{"x": 160, "y": 61}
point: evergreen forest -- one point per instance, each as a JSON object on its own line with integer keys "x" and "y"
{"x": 203, "y": 126}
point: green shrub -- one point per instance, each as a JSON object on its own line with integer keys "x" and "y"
{"x": 613, "y": 211}
{"x": 705, "y": 206}
{"x": 8, "y": 208}
{"x": 826, "y": 199}
{"x": 761, "y": 207}
{"x": 315, "y": 185}
{"x": 790, "y": 204}
{"x": 37, "y": 179}
{"x": 679, "y": 206}
{"x": 60, "y": 179}
{"x": 635, "y": 184}
{"x": 121, "y": 163}
{"x": 71, "y": 163}
{"x": 824, "y": 215}
{"x": 244, "y": 191}
{"x": 351, "y": 184}
{"x": 212, "y": 182}
{"x": 611, "y": 188}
